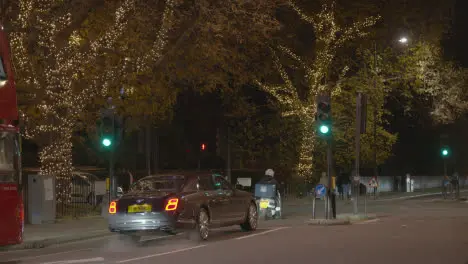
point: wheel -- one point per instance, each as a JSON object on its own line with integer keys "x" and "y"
{"x": 251, "y": 221}
{"x": 202, "y": 229}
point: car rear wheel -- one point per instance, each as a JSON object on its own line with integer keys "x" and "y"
{"x": 202, "y": 229}
{"x": 251, "y": 221}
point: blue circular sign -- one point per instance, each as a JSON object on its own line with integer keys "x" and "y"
{"x": 320, "y": 190}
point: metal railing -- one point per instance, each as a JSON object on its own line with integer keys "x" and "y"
{"x": 81, "y": 199}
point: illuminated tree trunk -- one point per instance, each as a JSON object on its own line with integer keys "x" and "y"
{"x": 56, "y": 160}
{"x": 306, "y": 147}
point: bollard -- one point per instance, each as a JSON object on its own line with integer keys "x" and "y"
{"x": 333, "y": 204}
{"x": 313, "y": 206}
{"x": 365, "y": 204}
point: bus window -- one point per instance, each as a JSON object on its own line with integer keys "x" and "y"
{"x": 3, "y": 75}
{"x": 7, "y": 157}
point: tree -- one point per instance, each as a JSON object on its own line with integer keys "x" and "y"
{"x": 312, "y": 76}
{"x": 441, "y": 83}
{"x": 54, "y": 60}
{"x": 344, "y": 115}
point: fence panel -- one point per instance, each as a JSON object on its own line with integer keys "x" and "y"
{"x": 82, "y": 199}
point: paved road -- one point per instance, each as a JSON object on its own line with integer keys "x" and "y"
{"x": 415, "y": 232}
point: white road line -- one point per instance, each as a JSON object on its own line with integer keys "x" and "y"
{"x": 263, "y": 233}
{"x": 159, "y": 254}
{"x": 76, "y": 261}
{"x": 152, "y": 238}
{"x": 52, "y": 254}
{"x": 368, "y": 221}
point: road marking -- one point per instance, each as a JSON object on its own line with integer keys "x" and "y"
{"x": 159, "y": 254}
{"x": 415, "y": 196}
{"x": 368, "y": 221}
{"x": 152, "y": 238}
{"x": 52, "y": 254}
{"x": 76, "y": 261}
{"x": 263, "y": 233}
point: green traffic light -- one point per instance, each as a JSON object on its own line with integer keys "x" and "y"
{"x": 106, "y": 142}
{"x": 445, "y": 152}
{"x": 324, "y": 129}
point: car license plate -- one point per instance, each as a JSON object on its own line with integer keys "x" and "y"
{"x": 137, "y": 208}
{"x": 264, "y": 204}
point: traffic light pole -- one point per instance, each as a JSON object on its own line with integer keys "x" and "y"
{"x": 331, "y": 202}
{"x": 323, "y": 117}
{"x": 445, "y": 167}
{"x": 356, "y": 178}
{"x": 113, "y": 181}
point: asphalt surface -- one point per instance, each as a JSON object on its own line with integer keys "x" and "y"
{"x": 416, "y": 231}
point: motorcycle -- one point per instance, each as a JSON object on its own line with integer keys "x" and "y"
{"x": 268, "y": 201}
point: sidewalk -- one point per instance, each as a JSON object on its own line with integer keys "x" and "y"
{"x": 39, "y": 236}
{"x": 383, "y": 196}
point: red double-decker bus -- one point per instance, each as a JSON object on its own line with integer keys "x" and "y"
{"x": 11, "y": 199}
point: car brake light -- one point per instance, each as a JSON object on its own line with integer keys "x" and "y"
{"x": 113, "y": 207}
{"x": 172, "y": 204}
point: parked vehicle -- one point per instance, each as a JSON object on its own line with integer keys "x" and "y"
{"x": 82, "y": 190}
{"x": 172, "y": 203}
{"x": 11, "y": 199}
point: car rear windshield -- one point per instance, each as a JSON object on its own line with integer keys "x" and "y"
{"x": 162, "y": 183}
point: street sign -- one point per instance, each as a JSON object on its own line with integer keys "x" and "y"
{"x": 320, "y": 190}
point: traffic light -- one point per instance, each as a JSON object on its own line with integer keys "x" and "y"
{"x": 110, "y": 129}
{"x": 323, "y": 115}
{"x": 445, "y": 152}
{"x": 107, "y": 131}
{"x": 203, "y": 147}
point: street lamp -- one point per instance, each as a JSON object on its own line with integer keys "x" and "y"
{"x": 403, "y": 40}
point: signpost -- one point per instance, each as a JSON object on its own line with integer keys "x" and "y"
{"x": 319, "y": 191}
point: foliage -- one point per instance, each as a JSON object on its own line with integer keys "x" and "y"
{"x": 442, "y": 83}
{"x": 55, "y": 62}
{"x": 304, "y": 75}
{"x": 344, "y": 116}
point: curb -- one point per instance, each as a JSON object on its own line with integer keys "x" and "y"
{"x": 357, "y": 218}
{"x": 346, "y": 219}
{"x": 42, "y": 243}
{"x": 70, "y": 219}
{"x": 328, "y": 222}
{"x": 415, "y": 196}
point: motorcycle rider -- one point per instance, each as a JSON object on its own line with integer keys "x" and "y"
{"x": 269, "y": 178}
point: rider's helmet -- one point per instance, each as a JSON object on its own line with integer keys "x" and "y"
{"x": 270, "y": 173}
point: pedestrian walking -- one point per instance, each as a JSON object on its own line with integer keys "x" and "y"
{"x": 374, "y": 184}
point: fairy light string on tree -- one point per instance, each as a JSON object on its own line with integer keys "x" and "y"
{"x": 330, "y": 36}
{"x": 49, "y": 73}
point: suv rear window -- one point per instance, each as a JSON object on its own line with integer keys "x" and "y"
{"x": 158, "y": 183}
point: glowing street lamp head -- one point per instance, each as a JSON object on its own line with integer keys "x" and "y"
{"x": 106, "y": 142}
{"x": 403, "y": 40}
{"x": 324, "y": 129}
